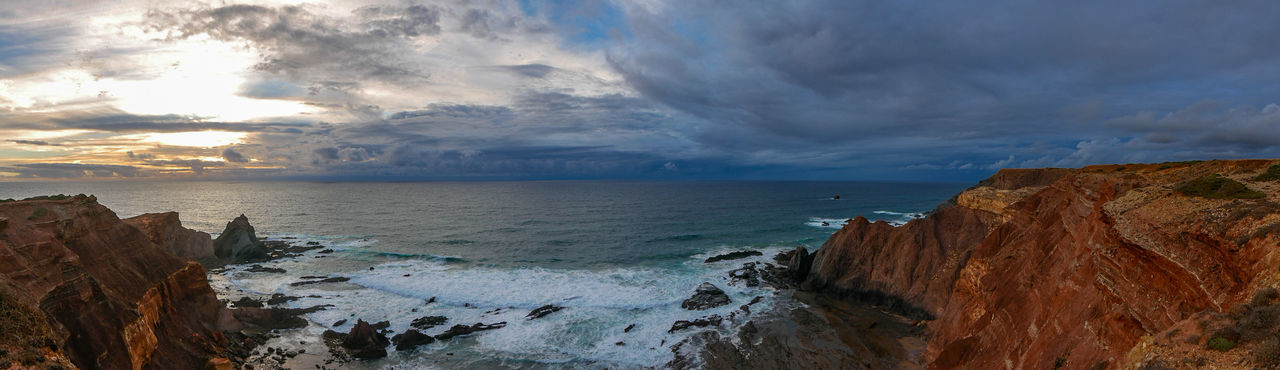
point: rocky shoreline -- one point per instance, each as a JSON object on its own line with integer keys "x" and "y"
{"x": 1158, "y": 265}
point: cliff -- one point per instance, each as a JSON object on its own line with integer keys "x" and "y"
{"x": 164, "y": 229}
{"x": 1068, "y": 267}
{"x": 96, "y": 292}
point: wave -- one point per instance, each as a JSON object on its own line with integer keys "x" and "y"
{"x": 598, "y": 305}
{"x": 827, "y": 223}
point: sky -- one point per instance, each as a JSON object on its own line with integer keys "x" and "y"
{"x": 634, "y": 89}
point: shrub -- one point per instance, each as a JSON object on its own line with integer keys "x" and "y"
{"x": 1218, "y": 187}
{"x": 1268, "y": 353}
{"x": 1272, "y": 174}
{"x": 1221, "y": 344}
{"x": 38, "y": 213}
{"x": 1264, "y": 296}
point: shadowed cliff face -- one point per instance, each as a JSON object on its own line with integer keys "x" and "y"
{"x": 111, "y": 297}
{"x": 1037, "y": 268}
{"x": 164, "y": 229}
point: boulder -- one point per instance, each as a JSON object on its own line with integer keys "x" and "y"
{"x": 699, "y": 322}
{"x": 457, "y": 330}
{"x": 543, "y": 311}
{"x": 239, "y": 243}
{"x": 733, "y": 256}
{"x": 410, "y": 339}
{"x": 800, "y": 263}
{"x": 706, "y": 296}
{"x": 366, "y": 341}
{"x": 428, "y": 322}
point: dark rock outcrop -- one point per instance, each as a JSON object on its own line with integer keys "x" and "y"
{"x": 365, "y": 341}
{"x": 733, "y": 256}
{"x": 543, "y": 311}
{"x": 458, "y": 330}
{"x": 428, "y": 322}
{"x": 800, "y": 263}
{"x": 702, "y": 322}
{"x": 335, "y": 279}
{"x": 704, "y": 297}
{"x": 410, "y": 339}
{"x": 239, "y": 243}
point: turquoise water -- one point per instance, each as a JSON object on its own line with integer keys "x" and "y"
{"x": 613, "y": 253}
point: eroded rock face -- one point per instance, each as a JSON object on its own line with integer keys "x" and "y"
{"x": 166, "y": 230}
{"x": 1071, "y": 267}
{"x": 365, "y": 341}
{"x": 113, "y": 297}
{"x": 239, "y": 243}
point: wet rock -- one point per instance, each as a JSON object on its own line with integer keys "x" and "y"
{"x": 733, "y": 256}
{"x": 629, "y": 327}
{"x": 277, "y": 299}
{"x": 313, "y": 243}
{"x": 365, "y": 341}
{"x": 457, "y": 330}
{"x": 239, "y": 243}
{"x": 410, "y": 339}
{"x": 699, "y": 322}
{"x": 836, "y": 197}
{"x": 325, "y": 251}
{"x": 246, "y": 302}
{"x": 800, "y": 263}
{"x": 381, "y": 325}
{"x": 747, "y": 307}
{"x": 706, "y": 296}
{"x": 276, "y": 318}
{"x": 746, "y": 275}
{"x": 259, "y": 268}
{"x": 428, "y": 322}
{"x": 337, "y": 279}
{"x": 339, "y": 322}
{"x": 543, "y": 311}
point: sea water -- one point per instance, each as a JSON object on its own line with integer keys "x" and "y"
{"x": 613, "y": 253}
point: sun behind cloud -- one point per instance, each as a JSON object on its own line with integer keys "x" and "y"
{"x": 199, "y": 139}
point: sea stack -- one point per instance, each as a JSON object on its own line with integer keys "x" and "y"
{"x": 239, "y": 243}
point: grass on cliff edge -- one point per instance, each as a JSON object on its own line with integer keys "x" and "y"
{"x": 1217, "y": 187}
{"x": 1272, "y": 174}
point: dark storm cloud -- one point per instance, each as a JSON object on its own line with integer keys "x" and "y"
{"x": 33, "y": 142}
{"x": 314, "y": 48}
{"x": 831, "y": 72}
{"x": 532, "y": 70}
{"x": 233, "y": 156}
{"x": 70, "y": 170}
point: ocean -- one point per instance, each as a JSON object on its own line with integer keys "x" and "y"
{"x": 613, "y": 253}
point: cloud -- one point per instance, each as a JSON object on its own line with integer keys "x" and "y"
{"x": 70, "y": 170}
{"x": 231, "y": 155}
{"x": 33, "y": 142}
{"x": 311, "y": 47}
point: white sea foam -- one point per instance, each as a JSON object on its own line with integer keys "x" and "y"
{"x": 599, "y": 304}
{"x": 829, "y": 223}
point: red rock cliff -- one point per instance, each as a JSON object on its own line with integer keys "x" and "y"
{"x": 110, "y": 297}
{"x": 166, "y": 230}
{"x": 1034, "y": 269}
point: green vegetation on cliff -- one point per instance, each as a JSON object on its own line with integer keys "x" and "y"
{"x": 1272, "y": 174}
{"x": 1217, "y": 187}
